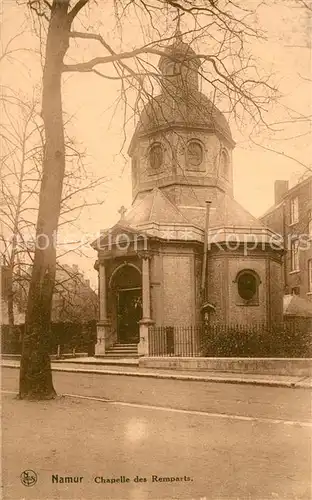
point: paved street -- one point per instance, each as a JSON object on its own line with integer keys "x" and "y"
{"x": 224, "y": 441}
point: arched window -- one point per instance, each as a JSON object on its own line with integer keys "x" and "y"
{"x": 224, "y": 164}
{"x": 248, "y": 287}
{"x": 156, "y": 156}
{"x": 172, "y": 68}
{"x": 194, "y": 154}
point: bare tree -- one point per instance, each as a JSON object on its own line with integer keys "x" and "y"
{"x": 20, "y": 160}
{"x": 21, "y": 139}
{"x": 227, "y": 68}
{"x": 21, "y": 157}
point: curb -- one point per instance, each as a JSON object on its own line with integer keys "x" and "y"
{"x": 193, "y": 378}
{"x": 105, "y": 363}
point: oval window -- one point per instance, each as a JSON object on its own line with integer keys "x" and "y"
{"x": 194, "y": 153}
{"x": 156, "y": 156}
{"x": 247, "y": 286}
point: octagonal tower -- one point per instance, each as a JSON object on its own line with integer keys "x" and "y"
{"x": 182, "y": 144}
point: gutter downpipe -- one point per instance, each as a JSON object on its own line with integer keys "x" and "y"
{"x": 204, "y": 269}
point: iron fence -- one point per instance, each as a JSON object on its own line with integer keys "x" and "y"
{"x": 175, "y": 341}
{"x": 292, "y": 338}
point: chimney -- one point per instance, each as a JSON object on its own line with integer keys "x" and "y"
{"x": 280, "y": 189}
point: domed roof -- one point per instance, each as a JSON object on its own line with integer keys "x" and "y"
{"x": 190, "y": 109}
{"x": 181, "y": 103}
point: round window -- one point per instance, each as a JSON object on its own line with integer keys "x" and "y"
{"x": 194, "y": 154}
{"x": 247, "y": 286}
{"x": 156, "y": 155}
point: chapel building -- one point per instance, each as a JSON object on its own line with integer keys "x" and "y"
{"x": 185, "y": 252}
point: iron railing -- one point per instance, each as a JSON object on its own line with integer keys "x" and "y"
{"x": 175, "y": 341}
{"x": 292, "y": 338}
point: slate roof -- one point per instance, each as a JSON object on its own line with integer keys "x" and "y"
{"x": 157, "y": 216}
{"x": 192, "y": 110}
{"x": 225, "y": 212}
{"x": 154, "y": 207}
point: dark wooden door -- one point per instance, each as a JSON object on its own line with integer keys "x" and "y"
{"x": 129, "y": 313}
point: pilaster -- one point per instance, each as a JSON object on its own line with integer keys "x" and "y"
{"x": 146, "y": 321}
{"x": 103, "y": 325}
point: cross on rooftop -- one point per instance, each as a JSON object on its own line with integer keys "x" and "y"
{"x": 122, "y": 212}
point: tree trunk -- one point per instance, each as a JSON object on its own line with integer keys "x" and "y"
{"x": 35, "y": 373}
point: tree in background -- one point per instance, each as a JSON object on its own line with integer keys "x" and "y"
{"x": 20, "y": 160}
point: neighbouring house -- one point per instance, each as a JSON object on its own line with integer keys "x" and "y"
{"x": 73, "y": 298}
{"x": 186, "y": 251}
{"x": 74, "y": 301}
{"x": 291, "y": 217}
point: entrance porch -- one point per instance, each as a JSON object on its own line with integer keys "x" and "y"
{"x": 124, "y": 296}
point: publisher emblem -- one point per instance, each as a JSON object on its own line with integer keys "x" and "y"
{"x": 29, "y": 477}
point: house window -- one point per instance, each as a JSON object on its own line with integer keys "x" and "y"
{"x": 294, "y": 255}
{"x": 248, "y": 287}
{"x": 310, "y": 275}
{"x": 294, "y": 210}
{"x": 194, "y": 154}
{"x": 295, "y": 290}
{"x": 156, "y": 156}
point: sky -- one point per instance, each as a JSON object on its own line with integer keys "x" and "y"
{"x": 88, "y": 100}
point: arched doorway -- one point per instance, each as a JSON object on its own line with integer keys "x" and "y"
{"x": 126, "y": 285}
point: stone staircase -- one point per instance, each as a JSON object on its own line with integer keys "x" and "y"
{"x": 122, "y": 351}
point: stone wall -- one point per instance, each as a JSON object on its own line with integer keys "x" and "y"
{"x": 178, "y": 289}
{"x": 264, "y": 366}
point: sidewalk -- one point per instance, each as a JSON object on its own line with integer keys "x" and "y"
{"x": 116, "y": 367}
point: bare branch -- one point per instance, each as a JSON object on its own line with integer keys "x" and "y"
{"x": 76, "y": 9}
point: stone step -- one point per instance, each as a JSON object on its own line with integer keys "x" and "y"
{"x": 125, "y": 345}
{"x": 121, "y": 353}
{"x": 129, "y": 349}
{"x": 112, "y": 355}
{"x": 120, "y": 350}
